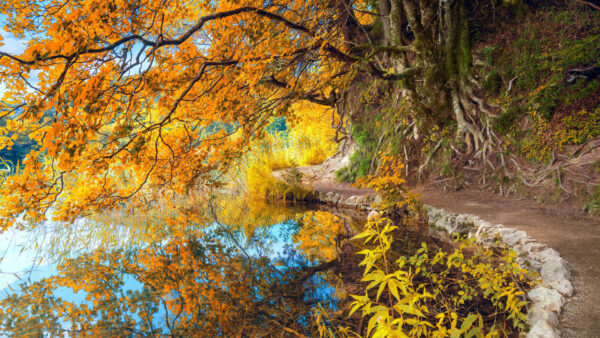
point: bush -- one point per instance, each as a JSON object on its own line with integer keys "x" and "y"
{"x": 437, "y": 293}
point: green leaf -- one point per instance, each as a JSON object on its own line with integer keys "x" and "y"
{"x": 468, "y": 322}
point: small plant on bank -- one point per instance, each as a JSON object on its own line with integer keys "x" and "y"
{"x": 593, "y": 204}
{"x": 471, "y": 292}
{"x": 389, "y": 185}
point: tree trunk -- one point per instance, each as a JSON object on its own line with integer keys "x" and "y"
{"x": 441, "y": 39}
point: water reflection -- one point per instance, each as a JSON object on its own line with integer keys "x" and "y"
{"x": 220, "y": 267}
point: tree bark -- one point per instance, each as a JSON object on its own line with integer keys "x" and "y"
{"x": 441, "y": 41}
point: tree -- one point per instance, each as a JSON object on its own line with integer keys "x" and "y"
{"x": 154, "y": 98}
{"x": 435, "y": 36}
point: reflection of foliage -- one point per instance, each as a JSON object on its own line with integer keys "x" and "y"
{"x": 319, "y": 236}
{"x": 188, "y": 287}
{"x": 249, "y": 214}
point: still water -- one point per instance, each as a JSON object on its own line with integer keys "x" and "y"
{"x": 214, "y": 268}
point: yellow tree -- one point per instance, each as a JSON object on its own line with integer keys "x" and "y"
{"x": 131, "y": 100}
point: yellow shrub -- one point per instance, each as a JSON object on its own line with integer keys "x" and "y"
{"x": 425, "y": 292}
{"x": 308, "y": 141}
{"x": 573, "y": 129}
{"x": 432, "y": 292}
{"x": 313, "y": 156}
{"x": 311, "y": 137}
{"x": 259, "y": 180}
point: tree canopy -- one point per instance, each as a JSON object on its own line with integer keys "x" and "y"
{"x": 134, "y": 100}
{"x": 155, "y": 97}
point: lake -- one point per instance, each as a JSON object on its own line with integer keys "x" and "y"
{"x": 224, "y": 266}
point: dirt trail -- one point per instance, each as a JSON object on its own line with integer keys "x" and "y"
{"x": 574, "y": 235}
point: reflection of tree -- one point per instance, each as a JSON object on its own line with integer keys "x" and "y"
{"x": 320, "y": 235}
{"x": 188, "y": 287}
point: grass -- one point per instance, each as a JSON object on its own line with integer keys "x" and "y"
{"x": 307, "y": 141}
{"x": 592, "y": 205}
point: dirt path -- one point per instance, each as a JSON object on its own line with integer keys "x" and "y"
{"x": 575, "y": 236}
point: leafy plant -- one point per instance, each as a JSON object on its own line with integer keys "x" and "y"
{"x": 431, "y": 293}
{"x": 492, "y": 82}
{"x": 389, "y": 185}
{"x": 593, "y": 204}
{"x": 574, "y": 129}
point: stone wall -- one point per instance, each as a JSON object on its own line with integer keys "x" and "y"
{"x": 351, "y": 201}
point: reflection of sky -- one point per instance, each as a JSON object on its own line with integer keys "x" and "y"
{"x": 18, "y": 252}
{"x": 32, "y": 254}
{"x": 12, "y": 44}
{"x": 20, "y": 249}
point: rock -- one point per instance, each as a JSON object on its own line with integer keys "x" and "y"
{"x": 539, "y": 258}
{"x": 547, "y": 299}
{"x": 534, "y": 246}
{"x": 548, "y": 254}
{"x": 351, "y": 201}
{"x": 523, "y": 246}
{"x": 537, "y": 313}
{"x": 555, "y": 274}
{"x": 373, "y": 215}
{"x": 486, "y": 240}
{"x": 513, "y": 237}
{"x": 542, "y": 329}
{"x": 327, "y": 197}
{"x": 482, "y": 227}
{"x": 487, "y": 234}
{"x": 462, "y": 224}
{"x": 377, "y": 199}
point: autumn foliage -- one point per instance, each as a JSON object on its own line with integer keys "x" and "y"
{"x": 133, "y": 101}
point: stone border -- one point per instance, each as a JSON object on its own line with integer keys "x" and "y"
{"x": 353, "y": 201}
{"x": 548, "y": 297}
